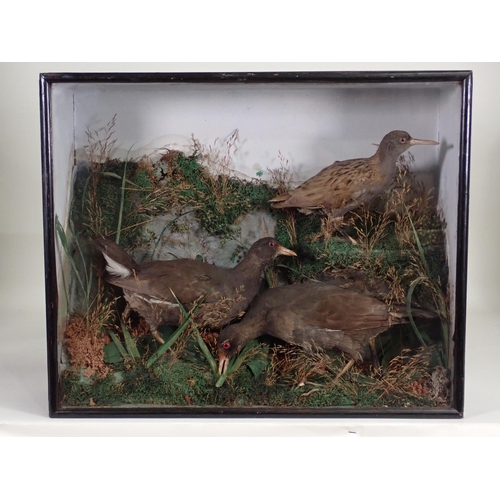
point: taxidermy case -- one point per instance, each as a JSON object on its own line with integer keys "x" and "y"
{"x": 200, "y": 166}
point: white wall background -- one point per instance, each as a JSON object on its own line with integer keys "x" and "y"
{"x": 310, "y": 125}
{"x": 22, "y": 307}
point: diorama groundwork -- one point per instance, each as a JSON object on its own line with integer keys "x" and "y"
{"x": 193, "y": 205}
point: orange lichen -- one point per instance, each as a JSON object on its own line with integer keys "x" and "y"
{"x": 84, "y": 344}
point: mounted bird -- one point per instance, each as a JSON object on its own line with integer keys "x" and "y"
{"x": 345, "y": 185}
{"x": 153, "y": 289}
{"x": 315, "y": 316}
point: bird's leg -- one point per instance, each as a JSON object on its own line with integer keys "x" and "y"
{"x": 344, "y": 370}
{"x": 153, "y": 327}
{"x": 154, "y": 323}
{"x": 345, "y": 235}
{"x": 373, "y": 352}
{"x": 331, "y": 224}
{"x": 156, "y": 335}
{"x": 126, "y": 312}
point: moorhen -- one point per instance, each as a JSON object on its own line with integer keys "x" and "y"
{"x": 314, "y": 316}
{"x": 345, "y": 185}
{"x": 148, "y": 288}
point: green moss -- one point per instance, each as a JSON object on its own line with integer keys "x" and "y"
{"x": 189, "y": 384}
{"x": 219, "y": 203}
{"x": 177, "y": 385}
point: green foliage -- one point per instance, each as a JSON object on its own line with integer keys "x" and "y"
{"x": 252, "y": 355}
{"x": 201, "y": 343}
{"x": 107, "y": 200}
{"x": 77, "y": 260}
{"x": 164, "y": 347}
{"x": 115, "y": 351}
{"x": 219, "y": 203}
{"x": 433, "y": 286}
{"x": 258, "y": 364}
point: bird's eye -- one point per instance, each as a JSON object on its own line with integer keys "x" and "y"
{"x": 226, "y": 344}
{"x": 402, "y": 140}
{"x": 271, "y": 244}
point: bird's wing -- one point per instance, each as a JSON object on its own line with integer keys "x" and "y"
{"x": 350, "y": 311}
{"x": 188, "y": 279}
{"x": 340, "y": 186}
{"x": 332, "y": 307}
{"x": 321, "y": 317}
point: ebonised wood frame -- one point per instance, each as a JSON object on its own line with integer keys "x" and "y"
{"x": 462, "y": 78}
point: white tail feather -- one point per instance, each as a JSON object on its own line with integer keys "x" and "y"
{"x": 116, "y": 269}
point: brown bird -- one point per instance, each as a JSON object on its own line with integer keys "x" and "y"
{"x": 149, "y": 288}
{"x": 314, "y": 316}
{"x": 345, "y": 185}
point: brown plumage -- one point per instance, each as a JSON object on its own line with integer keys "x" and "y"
{"x": 345, "y": 185}
{"x": 148, "y": 288}
{"x": 314, "y": 316}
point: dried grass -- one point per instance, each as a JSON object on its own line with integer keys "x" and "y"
{"x": 329, "y": 226}
{"x": 217, "y": 158}
{"x": 98, "y": 150}
{"x": 405, "y": 374}
{"x": 100, "y": 143}
{"x": 280, "y": 177}
{"x": 216, "y": 313}
{"x": 140, "y": 329}
{"x": 370, "y": 228}
{"x": 410, "y": 200}
{"x": 290, "y": 227}
{"x": 85, "y": 335}
{"x": 293, "y": 365}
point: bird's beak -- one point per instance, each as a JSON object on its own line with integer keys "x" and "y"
{"x": 286, "y": 251}
{"x": 422, "y": 142}
{"x": 223, "y": 363}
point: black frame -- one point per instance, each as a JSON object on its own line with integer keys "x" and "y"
{"x": 463, "y": 78}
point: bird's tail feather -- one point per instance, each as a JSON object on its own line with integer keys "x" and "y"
{"x": 416, "y": 312}
{"x": 116, "y": 269}
{"x": 118, "y": 262}
{"x": 278, "y": 201}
